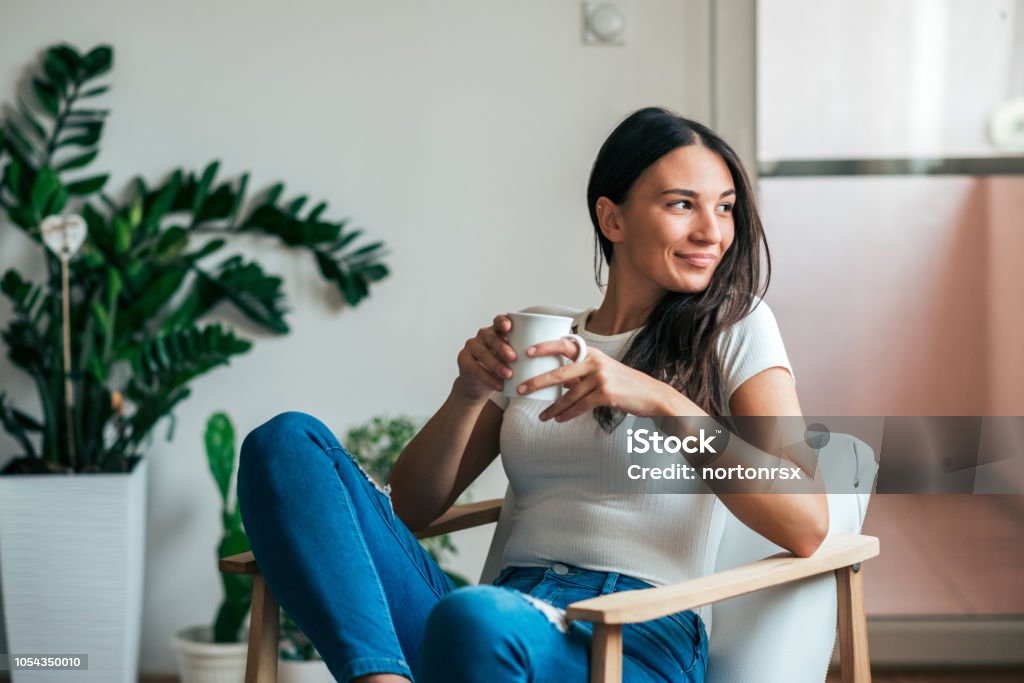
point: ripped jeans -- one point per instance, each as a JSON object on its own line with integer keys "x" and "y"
{"x": 372, "y": 600}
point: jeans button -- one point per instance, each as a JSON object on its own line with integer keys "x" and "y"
{"x": 560, "y": 569}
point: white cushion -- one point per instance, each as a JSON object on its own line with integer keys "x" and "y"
{"x": 788, "y": 633}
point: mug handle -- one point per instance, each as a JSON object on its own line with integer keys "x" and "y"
{"x": 581, "y": 346}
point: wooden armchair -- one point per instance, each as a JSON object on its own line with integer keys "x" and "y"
{"x": 841, "y": 553}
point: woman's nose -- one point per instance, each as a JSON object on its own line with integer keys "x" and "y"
{"x": 708, "y": 229}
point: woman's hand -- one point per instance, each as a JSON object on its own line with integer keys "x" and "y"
{"x": 600, "y": 380}
{"x": 483, "y": 361}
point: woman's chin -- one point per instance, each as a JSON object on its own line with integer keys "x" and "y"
{"x": 690, "y": 285}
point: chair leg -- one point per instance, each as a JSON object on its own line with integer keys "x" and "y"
{"x": 606, "y": 654}
{"x": 854, "y": 660}
{"x": 264, "y": 620}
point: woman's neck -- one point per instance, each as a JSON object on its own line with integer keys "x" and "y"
{"x": 625, "y": 307}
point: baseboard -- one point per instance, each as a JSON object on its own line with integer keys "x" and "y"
{"x": 945, "y": 641}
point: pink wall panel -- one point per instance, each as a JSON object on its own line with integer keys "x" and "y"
{"x": 880, "y": 288}
{"x": 1005, "y": 198}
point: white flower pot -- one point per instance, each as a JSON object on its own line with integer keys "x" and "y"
{"x": 203, "y": 661}
{"x": 312, "y": 671}
{"x": 71, "y": 562}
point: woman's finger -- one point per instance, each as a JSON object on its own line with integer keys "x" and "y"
{"x": 554, "y": 377}
{"x": 485, "y": 357}
{"x": 497, "y": 345}
{"x": 580, "y": 389}
{"x": 502, "y": 325}
{"x": 469, "y": 364}
{"x": 555, "y": 347}
{"x": 584, "y": 405}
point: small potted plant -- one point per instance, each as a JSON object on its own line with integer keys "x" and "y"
{"x": 213, "y": 654}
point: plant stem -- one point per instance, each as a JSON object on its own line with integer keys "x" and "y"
{"x": 108, "y": 337}
{"x": 54, "y": 391}
{"x": 58, "y": 124}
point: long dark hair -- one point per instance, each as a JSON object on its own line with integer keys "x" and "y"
{"x": 678, "y": 342}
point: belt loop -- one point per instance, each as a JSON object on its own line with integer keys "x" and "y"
{"x": 609, "y": 583}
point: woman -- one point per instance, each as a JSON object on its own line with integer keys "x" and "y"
{"x": 681, "y": 332}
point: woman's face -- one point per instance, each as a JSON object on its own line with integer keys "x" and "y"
{"x": 676, "y": 223}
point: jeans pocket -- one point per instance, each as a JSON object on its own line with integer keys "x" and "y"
{"x": 674, "y": 638}
{"x": 522, "y": 582}
{"x": 500, "y": 578}
{"x": 694, "y": 626}
{"x": 689, "y": 622}
{"x": 571, "y": 584}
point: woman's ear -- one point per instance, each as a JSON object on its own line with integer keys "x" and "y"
{"x": 609, "y": 218}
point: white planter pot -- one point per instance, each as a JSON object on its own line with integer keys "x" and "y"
{"x": 313, "y": 671}
{"x": 71, "y": 563}
{"x": 203, "y": 661}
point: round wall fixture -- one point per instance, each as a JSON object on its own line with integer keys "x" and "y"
{"x": 1006, "y": 125}
{"x": 604, "y": 23}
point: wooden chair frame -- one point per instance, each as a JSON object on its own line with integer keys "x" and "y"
{"x": 841, "y": 554}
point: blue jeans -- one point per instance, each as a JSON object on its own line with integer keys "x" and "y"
{"x": 372, "y": 600}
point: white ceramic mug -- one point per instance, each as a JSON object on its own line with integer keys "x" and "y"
{"x": 527, "y": 330}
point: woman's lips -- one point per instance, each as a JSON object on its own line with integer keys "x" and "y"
{"x": 699, "y": 261}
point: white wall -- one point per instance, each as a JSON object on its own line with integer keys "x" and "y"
{"x": 875, "y": 78}
{"x": 461, "y": 132}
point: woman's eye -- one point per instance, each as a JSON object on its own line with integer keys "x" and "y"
{"x": 725, "y": 208}
{"x": 682, "y": 203}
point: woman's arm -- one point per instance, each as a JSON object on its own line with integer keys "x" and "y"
{"x": 445, "y": 457}
{"x": 795, "y": 521}
{"x": 462, "y": 438}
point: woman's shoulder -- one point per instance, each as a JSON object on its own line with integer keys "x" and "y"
{"x": 752, "y": 310}
{"x": 752, "y": 344}
{"x": 758, "y": 316}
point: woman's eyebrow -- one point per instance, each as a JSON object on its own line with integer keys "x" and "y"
{"x": 691, "y": 193}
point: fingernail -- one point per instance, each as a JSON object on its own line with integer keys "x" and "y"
{"x": 521, "y": 388}
{"x": 529, "y": 351}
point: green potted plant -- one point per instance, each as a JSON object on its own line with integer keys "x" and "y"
{"x": 208, "y": 654}
{"x": 112, "y": 338}
{"x": 376, "y": 445}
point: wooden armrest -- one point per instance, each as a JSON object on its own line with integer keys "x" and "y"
{"x": 242, "y": 563}
{"x": 463, "y": 516}
{"x": 457, "y": 517}
{"x": 629, "y": 607}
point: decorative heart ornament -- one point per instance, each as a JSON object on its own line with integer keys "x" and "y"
{"x": 64, "y": 235}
